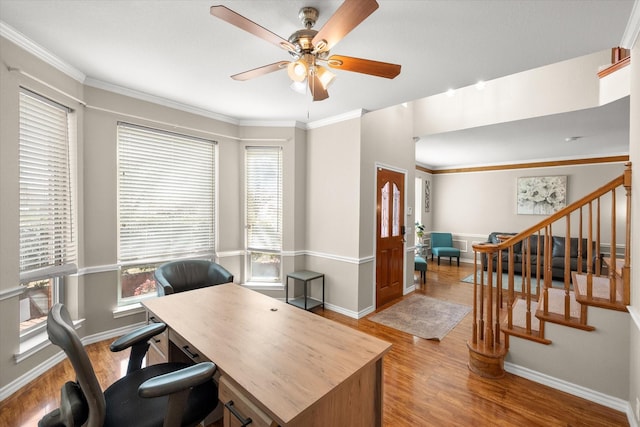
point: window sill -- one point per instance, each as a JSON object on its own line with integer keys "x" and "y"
{"x": 264, "y": 286}
{"x": 34, "y": 344}
{"x": 128, "y": 310}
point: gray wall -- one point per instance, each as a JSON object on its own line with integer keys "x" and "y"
{"x": 471, "y": 205}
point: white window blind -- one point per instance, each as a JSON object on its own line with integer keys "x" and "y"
{"x": 166, "y": 195}
{"x": 264, "y": 198}
{"x": 47, "y": 241}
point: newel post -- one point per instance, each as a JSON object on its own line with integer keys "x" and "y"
{"x": 486, "y": 350}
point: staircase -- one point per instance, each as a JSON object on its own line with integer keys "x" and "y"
{"x": 601, "y": 277}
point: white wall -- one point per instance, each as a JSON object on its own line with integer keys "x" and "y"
{"x": 634, "y": 154}
{"x": 557, "y": 88}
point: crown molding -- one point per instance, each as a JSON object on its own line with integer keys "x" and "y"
{"x": 110, "y": 87}
{"x": 336, "y": 119}
{"x": 271, "y": 124}
{"x": 577, "y": 161}
{"x": 44, "y": 55}
{"x": 39, "y": 52}
{"x": 632, "y": 32}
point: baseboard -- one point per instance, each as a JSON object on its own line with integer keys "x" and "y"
{"x": 573, "y": 389}
{"x": 43, "y": 367}
{"x": 345, "y": 312}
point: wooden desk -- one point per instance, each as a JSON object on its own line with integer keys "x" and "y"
{"x": 279, "y": 364}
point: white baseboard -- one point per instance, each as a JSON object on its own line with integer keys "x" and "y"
{"x": 574, "y": 389}
{"x": 43, "y": 367}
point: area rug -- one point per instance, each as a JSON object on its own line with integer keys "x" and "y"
{"x": 517, "y": 281}
{"x": 422, "y": 316}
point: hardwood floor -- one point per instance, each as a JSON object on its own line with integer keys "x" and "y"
{"x": 426, "y": 383}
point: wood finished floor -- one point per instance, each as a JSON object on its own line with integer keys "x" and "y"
{"x": 426, "y": 383}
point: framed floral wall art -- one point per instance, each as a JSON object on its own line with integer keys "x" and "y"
{"x": 541, "y": 195}
{"x": 427, "y": 195}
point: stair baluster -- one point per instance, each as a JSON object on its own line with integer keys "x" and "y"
{"x": 538, "y": 300}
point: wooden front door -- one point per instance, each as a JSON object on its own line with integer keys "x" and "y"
{"x": 390, "y": 236}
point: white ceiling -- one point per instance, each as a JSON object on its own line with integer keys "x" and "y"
{"x": 177, "y": 51}
{"x": 601, "y": 132}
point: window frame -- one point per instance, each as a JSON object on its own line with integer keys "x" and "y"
{"x": 271, "y": 243}
{"x": 193, "y": 194}
{"x": 47, "y": 176}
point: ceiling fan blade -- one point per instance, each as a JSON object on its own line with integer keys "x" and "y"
{"x": 348, "y": 16}
{"x": 317, "y": 90}
{"x": 260, "y": 71}
{"x": 248, "y": 25}
{"x": 365, "y": 66}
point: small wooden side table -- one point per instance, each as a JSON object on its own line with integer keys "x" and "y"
{"x": 305, "y": 302}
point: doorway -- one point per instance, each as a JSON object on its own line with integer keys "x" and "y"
{"x": 390, "y": 229}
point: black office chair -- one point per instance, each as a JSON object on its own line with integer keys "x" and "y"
{"x": 167, "y": 394}
{"x": 185, "y": 275}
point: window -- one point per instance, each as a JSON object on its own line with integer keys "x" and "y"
{"x": 47, "y": 240}
{"x": 166, "y": 203}
{"x": 264, "y": 213}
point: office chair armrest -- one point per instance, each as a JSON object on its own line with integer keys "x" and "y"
{"x": 143, "y": 335}
{"x": 138, "y": 340}
{"x": 177, "y": 381}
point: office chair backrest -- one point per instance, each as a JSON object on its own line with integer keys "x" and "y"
{"x": 185, "y": 275}
{"x": 62, "y": 333}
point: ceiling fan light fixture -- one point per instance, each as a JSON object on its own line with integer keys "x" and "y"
{"x": 325, "y": 76}
{"x": 297, "y": 70}
{"x": 309, "y": 47}
{"x": 299, "y": 87}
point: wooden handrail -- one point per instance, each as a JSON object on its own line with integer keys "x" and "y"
{"x": 539, "y": 297}
{"x": 492, "y": 247}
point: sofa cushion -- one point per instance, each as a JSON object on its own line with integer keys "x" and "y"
{"x": 536, "y": 243}
{"x": 446, "y": 251}
{"x": 559, "y": 247}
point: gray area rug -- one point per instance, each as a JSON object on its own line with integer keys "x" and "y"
{"x": 422, "y": 316}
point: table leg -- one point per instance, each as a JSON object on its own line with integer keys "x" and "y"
{"x": 286, "y": 290}
{"x": 306, "y": 282}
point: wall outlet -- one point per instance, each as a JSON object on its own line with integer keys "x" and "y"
{"x": 637, "y": 409}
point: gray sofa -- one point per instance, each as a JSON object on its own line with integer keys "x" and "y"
{"x": 558, "y": 245}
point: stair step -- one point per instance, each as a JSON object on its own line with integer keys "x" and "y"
{"x": 555, "y": 311}
{"x": 519, "y": 323}
{"x": 600, "y": 294}
{"x": 519, "y": 316}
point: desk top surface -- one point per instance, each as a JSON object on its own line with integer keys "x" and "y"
{"x": 286, "y": 358}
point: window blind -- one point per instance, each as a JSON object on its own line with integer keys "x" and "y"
{"x": 264, "y": 198}
{"x": 166, "y": 195}
{"x": 47, "y": 241}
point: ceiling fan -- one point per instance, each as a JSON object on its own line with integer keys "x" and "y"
{"x": 310, "y": 48}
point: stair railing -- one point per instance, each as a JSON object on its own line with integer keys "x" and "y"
{"x": 529, "y": 278}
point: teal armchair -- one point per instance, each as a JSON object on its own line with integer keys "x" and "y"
{"x": 442, "y": 245}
